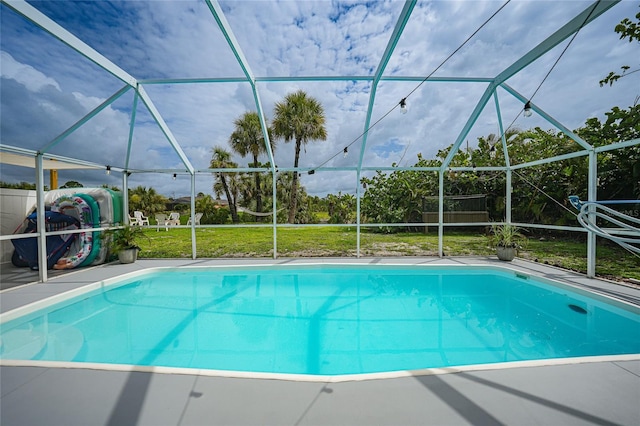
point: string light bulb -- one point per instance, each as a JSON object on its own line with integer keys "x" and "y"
{"x": 174, "y": 176}
{"x": 527, "y": 109}
{"x": 108, "y": 170}
{"x": 346, "y": 152}
{"x": 403, "y": 106}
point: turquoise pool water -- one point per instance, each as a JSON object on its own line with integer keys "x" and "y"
{"x": 324, "y": 320}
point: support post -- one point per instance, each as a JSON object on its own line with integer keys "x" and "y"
{"x": 125, "y": 197}
{"x": 42, "y": 237}
{"x": 440, "y": 213}
{"x": 53, "y": 179}
{"x": 358, "y": 213}
{"x": 274, "y": 216}
{"x": 509, "y": 190}
{"x": 193, "y": 217}
{"x": 591, "y": 197}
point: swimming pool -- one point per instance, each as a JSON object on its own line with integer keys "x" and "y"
{"x": 322, "y": 320}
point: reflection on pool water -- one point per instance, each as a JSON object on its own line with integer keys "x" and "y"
{"x": 324, "y": 320}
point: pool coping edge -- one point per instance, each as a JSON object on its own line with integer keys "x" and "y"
{"x": 318, "y": 378}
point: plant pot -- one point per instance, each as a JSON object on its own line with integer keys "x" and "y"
{"x": 128, "y": 255}
{"x": 506, "y": 253}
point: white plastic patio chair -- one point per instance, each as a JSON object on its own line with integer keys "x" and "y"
{"x": 161, "y": 220}
{"x": 197, "y": 219}
{"x": 174, "y": 219}
{"x": 142, "y": 219}
{"x": 133, "y": 221}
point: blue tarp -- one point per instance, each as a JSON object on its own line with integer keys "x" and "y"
{"x": 57, "y": 245}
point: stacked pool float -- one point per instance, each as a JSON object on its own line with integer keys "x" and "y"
{"x": 70, "y": 209}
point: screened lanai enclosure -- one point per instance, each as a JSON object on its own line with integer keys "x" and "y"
{"x": 149, "y": 93}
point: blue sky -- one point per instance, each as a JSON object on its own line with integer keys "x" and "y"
{"x": 46, "y": 86}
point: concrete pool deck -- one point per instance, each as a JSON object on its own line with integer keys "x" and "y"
{"x": 602, "y": 392}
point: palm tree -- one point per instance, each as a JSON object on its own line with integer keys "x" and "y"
{"x": 221, "y": 159}
{"x": 301, "y": 118}
{"x": 146, "y": 200}
{"x": 247, "y": 138}
{"x": 490, "y": 150}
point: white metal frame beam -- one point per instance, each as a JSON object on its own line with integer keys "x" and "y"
{"x": 582, "y": 19}
{"x": 584, "y": 144}
{"x": 41, "y": 20}
{"x": 384, "y": 60}
{"x": 132, "y": 125}
{"x": 32, "y": 14}
{"x": 391, "y": 45}
{"x": 281, "y": 79}
{"x": 165, "y": 129}
{"x": 597, "y": 8}
{"x": 224, "y": 26}
{"x": 84, "y": 119}
{"x": 488, "y": 93}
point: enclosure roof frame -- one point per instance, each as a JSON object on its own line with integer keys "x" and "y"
{"x": 32, "y": 14}
{"x": 579, "y": 21}
{"x": 500, "y": 80}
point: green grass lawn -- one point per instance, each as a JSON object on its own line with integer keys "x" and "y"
{"x": 613, "y": 261}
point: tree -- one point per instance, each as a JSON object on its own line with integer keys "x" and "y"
{"x": 298, "y": 118}
{"x": 540, "y": 192}
{"x": 221, "y": 159}
{"x": 304, "y": 208}
{"x": 318, "y": 204}
{"x": 627, "y": 29}
{"x": 341, "y": 208}
{"x": 618, "y": 170}
{"x": 72, "y": 184}
{"x": 247, "y": 138}
{"x": 211, "y": 212}
{"x": 21, "y": 185}
{"x": 397, "y": 197}
{"x": 112, "y": 187}
{"x": 146, "y": 200}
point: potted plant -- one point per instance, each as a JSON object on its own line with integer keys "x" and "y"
{"x": 505, "y": 238}
{"x": 124, "y": 242}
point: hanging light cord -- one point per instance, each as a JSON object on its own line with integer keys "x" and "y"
{"x": 564, "y": 207}
{"x": 566, "y": 47}
{"x": 534, "y": 93}
{"x": 456, "y": 51}
{"x": 415, "y": 88}
{"x": 553, "y": 66}
{"x": 549, "y": 196}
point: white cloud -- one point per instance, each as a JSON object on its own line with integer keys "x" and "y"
{"x": 32, "y": 79}
{"x": 47, "y": 87}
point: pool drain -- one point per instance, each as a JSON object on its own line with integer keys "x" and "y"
{"x": 578, "y": 309}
